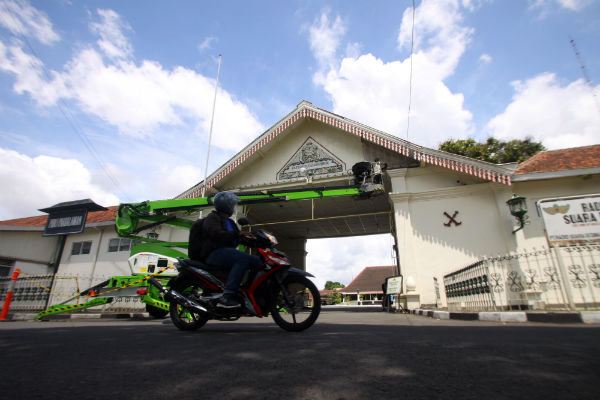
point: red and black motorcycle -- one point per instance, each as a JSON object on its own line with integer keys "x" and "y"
{"x": 277, "y": 289}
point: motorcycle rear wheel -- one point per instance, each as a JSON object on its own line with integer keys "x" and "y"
{"x": 300, "y": 308}
{"x": 183, "y": 318}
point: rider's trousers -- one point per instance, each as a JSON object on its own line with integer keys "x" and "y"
{"x": 239, "y": 262}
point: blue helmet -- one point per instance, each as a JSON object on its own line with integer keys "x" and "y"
{"x": 225, "y": 202}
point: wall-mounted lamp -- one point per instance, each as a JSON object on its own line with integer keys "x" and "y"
{"x": 152, "y": 235}
{"x": 518, "y": 209}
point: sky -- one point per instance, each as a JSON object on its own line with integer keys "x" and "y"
{"x": 113, "y": 100}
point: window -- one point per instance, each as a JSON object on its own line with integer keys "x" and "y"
{"x": 113, "y": 245}
{"x": 5, "y": 267}
{"x": 81, "y": 248}
{"x": 120, "y": 244}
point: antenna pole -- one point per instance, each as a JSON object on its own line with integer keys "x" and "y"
{"x": 588, "y": 81}
{"x": 212, "y": 120}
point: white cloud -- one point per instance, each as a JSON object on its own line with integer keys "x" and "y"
{"x": 558, "y": 116}
{"x": 206, "y": 43}
{"x": 139, "y": 99}
{"x": 29, "y": 73}
{"x": 33, "y": 183}
{"x": 544, "y": 7}
{"x": 574, "y": 5}
{"x": 377, "y": 93}
{"x": 325, "y": 39}
{"x": 438, "y": 33}
{"x": 485, "y": 59}
{"x": 21, "y": 18}
{"x": 113, "y": 41}
{"x": 173, "y": 180}
{"x": 351, "y": 256}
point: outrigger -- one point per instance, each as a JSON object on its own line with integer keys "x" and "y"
{"x": 153, "y": 258}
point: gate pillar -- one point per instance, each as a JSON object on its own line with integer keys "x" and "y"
{"x": 403, "y": 231}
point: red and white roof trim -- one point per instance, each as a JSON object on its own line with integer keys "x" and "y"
{"x": 483, "y": 170}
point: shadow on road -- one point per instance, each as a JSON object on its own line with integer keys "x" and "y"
{"x": 329, "y": 361}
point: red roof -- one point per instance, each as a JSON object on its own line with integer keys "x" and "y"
{"x": 370, "y": 280}
{"x": 561, "y": 160}
{"x": 40, "y": 220}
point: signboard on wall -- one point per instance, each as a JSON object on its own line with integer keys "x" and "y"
{"x": 571, "y": 220}
{"x": 65, "y": 222}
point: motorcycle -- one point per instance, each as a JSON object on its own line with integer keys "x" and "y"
{"x": 277, "y": 289}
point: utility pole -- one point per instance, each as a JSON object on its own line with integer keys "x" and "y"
{"x": 211, "y": 129}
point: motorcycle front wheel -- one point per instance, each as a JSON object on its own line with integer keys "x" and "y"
{"x": 183, "y": 318}
{"x": 297, "y": 304}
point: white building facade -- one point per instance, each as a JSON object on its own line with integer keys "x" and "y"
{"x": 443, "y": 210}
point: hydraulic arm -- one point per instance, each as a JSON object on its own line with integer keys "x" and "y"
{"x": 152, "y": 213}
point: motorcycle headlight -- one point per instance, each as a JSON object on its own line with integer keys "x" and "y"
{"x": 270, "y": 237}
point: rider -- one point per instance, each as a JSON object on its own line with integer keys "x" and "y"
{"x": 216, "y": 245}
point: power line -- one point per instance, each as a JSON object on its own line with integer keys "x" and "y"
{"x": 64, "y": 109}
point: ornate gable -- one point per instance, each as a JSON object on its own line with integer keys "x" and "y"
{"x": 481, "y": 169}
{"x": 311, "y": 159}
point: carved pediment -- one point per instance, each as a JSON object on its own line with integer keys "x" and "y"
{"x": 311, "y": 159}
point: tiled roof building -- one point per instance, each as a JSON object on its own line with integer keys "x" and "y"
{"x": 370, "y": 279}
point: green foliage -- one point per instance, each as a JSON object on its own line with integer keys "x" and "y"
{"x": 494, "y": 150}
{"x": 329, "y": 285}
{"x": 335, "y": 298}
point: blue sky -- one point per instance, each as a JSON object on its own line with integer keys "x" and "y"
{"x": 112, "y": 99}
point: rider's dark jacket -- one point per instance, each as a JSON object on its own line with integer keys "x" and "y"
{"x": 210, "y": 233}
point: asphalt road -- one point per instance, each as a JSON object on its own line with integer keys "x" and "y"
{"x": 343, "y": 356}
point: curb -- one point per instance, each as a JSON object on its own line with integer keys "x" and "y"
{"x": 353, "y": 308}
{"x": 566, "y": 317}
{"x": 81, "y": 316}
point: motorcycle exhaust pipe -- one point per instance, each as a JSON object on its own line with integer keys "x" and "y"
{"x": 173, "y": 295}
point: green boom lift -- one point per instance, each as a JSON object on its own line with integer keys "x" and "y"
{"x": 151, "y": 257}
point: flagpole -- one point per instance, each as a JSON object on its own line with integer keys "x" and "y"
{"x": 211, "y": 129}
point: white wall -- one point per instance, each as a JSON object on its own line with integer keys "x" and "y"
{"x": 533, "y": 235}
{"x": 32, "y": 251}
{"x": 429, "y": 249}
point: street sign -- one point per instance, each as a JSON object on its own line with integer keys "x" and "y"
{"x": 393, "y": 285}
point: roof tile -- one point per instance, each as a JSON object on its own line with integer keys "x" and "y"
{"x": 370, "y": 279}
{"x": 561, "y": 160}
{"x": 40, "y": 220}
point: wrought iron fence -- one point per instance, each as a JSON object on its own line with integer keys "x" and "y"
{"x": 34, "y": 293}
{"x": 555, "y": 278}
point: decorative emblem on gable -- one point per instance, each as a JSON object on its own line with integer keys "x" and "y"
{"x": 311, "y": 159}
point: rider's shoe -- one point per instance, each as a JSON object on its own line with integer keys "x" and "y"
{"x": 228, "y": 301}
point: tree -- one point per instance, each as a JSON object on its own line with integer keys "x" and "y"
{"x": 494, "y": 150}
{"x": 335, "y": 298}
{"x": 330, "y": 285}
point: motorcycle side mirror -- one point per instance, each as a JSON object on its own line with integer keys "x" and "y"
{"x": 243, "y": 221}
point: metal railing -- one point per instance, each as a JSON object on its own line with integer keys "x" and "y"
{"x": 555, "y": 278}
{"x": 34, "y": 293}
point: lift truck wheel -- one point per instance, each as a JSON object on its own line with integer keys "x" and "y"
{"x": 156, "y": 312}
